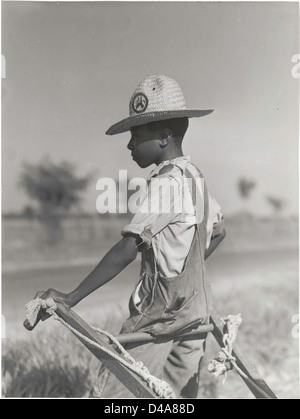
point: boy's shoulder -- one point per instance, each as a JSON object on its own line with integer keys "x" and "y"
{"x": 173, "y": 168}
{"x": 165, "y": 170}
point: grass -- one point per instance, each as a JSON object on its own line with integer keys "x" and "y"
{"x": 53, "y": 363}
{"x": 58, "y": 369}
{"x": 56, "y": 365}
{"x": 266, "y": 338}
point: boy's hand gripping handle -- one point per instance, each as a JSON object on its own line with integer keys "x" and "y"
{"x": 41, "y": 315}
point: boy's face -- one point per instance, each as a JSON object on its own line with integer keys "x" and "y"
{"x": 144, "y": 145}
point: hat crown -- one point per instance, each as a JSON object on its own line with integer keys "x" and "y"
{"x": 156, "y": 93}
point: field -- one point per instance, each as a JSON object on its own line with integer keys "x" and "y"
{"x": 253, "y": 273}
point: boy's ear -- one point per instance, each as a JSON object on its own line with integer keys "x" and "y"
{"x": 165, "y": 137}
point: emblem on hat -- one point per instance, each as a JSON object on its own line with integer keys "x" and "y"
{"x": 140, "y": 103}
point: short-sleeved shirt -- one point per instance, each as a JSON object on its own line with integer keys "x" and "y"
{"x": 163, "y": 224}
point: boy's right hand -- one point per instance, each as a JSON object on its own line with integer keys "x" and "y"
{"x": 57, "y": 296}
{"x": 44, "y": 295}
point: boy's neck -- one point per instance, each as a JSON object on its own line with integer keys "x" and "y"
{"x": 169, "y": 155}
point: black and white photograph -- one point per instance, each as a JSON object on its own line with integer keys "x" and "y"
{"x": 150, "y": 202}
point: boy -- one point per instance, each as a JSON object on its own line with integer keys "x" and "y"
{"x": 172, "y": 294}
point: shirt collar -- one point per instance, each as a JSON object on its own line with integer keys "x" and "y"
{"x": 180, "y": 161}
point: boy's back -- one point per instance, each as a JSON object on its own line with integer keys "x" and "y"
{"x": 166, "y": 217}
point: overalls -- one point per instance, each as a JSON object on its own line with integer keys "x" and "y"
{"x": 169, "y": 305}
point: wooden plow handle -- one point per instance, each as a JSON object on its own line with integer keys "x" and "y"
{"x": 132, "y": 381}
{"x": 254, "y": 381}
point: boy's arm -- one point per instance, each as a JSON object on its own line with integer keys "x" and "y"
{"x": 118, "y": 257}
{"x": 215, "y": 241}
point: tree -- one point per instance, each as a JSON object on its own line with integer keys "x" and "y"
{"x": 28, "y": 211}
{"x": 245, "y": 187}
{"x": 277, "y": 204}
{"x": 56, "y": 189}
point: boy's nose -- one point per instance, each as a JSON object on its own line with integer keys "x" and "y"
{"x": 130, "y": 145}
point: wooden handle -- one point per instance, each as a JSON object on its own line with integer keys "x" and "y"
{"x": 253, "y": 380}
{"x": 30, "y": 327}
{"x": 129, "y": 379}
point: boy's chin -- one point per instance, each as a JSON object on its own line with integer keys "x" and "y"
{"x": 143, "y": 165}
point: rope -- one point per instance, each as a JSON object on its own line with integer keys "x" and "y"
{"x": 225, "y": 361}
{"x": 160, "y": 387}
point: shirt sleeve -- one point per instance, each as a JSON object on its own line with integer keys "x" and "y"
{"x": 160, "y": 205}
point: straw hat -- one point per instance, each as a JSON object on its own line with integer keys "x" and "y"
{"x": 156, "y": 98}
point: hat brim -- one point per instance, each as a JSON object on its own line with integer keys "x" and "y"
{"x": 145, "y": 118}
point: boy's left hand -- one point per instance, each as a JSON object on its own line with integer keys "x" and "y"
{"x": 218, "y": 228}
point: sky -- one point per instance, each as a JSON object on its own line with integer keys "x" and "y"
{"x": 71, "y": 69}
